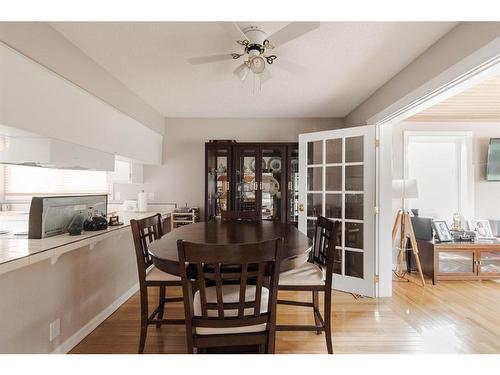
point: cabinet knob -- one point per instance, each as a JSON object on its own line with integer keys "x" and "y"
{"x": 301, "y": 207}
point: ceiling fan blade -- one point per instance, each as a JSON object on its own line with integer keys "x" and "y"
{"x": 292, "y": 31}
{"x": 209, "y": 59}
{"x": 233, "y": 30}
{"x": 290, "y": 66}
{"x": 241, "y": 72}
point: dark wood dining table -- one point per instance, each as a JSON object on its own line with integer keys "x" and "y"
{"x": 164, "y": 251}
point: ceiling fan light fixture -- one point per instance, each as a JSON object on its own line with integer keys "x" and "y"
{"x": 242, "y": 71}
{"x": 257, "y": 64}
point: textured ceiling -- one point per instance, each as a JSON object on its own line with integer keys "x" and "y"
{"x": 345, "y": 62}
{"x": 478, "y": 103}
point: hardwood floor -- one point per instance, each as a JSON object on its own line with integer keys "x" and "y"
{"x": 451, "y": 317}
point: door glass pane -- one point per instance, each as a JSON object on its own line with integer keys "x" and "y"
{"x": 354, "y": 264}
{"x": 354, "y": 149}
{"x": 354, "y": 206}
{"x": 490, "y": 262}
{"x": 315, "y": 178}
{"x": 315, "y": 152}
{"x": 311, "y": 226}
{"x": 293, "y": 186}
{"x": 217, "y": 181}
{"x": 456, "y": 261}
{"x": 245, "y": 180}
{"x": 333, "y": 178}
{"x": 314, "y": 204}
{"x": 333, "y": 150}
{"x": 333, "y": 206}
{"x": 272, "y": 172}
{"x": 353, "y": 177}
{"x": 354, "y": 235}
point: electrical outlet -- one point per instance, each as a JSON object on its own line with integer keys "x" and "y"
{"x": 54, "y": 329}
{"x": 151, "y": 196}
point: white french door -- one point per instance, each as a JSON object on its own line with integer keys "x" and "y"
{"x": 337, "y": 180}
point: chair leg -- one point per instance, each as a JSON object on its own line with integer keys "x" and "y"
{"x": 161, "y": 304}
{"x": 142, "y": 339}
{"x": 316, "y": 310}
{"x": 328, "y": 320}
{"x": 144, "y": 318}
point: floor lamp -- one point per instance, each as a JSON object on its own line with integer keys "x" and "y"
{"x": 405, "y": 189}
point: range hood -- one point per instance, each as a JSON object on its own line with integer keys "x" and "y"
{"x": 24, "y": 148}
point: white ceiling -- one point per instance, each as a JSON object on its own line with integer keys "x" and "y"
{"x": 346, "y": 62}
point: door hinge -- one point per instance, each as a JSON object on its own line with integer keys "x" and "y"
{"x": 376, "y": 279}
{"x": 377, "y": 143}
{"x": 376, "y": 210}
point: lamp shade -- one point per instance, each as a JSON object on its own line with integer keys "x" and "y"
{"x": 241, "y": 72}
{"x": 404, "y": 189}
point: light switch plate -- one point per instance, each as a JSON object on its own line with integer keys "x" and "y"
{"x": 54, "y": 329}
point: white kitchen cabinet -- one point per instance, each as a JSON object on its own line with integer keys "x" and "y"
{"x": 126, "y": 172}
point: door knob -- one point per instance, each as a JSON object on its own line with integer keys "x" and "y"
{"x": 301, "y": 207}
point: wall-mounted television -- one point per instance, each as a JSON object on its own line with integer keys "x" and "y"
{"x": 493, "y": 163}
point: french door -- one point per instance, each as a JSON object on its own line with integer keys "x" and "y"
{"x": 337, "y": 180}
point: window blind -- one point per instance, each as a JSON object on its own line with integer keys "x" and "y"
{"x": 27, "y": 181}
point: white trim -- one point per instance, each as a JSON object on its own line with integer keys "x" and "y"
{"x": 83, "y": 332}
{"x": 476, "y": 67}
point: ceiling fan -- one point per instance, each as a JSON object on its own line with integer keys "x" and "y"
{"x": 256, "y": 45}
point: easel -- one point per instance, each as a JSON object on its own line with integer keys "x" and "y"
{"x": 404, "y": 225}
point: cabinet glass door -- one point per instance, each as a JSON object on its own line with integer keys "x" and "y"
{"x": 456, "y": 262}
{"x": 489, "y": 263}
{"x": 293, "y": 185}
{"x": 247, "y": 169}
{"x": 272, "y": 177}
{"x": 217, "y": 181}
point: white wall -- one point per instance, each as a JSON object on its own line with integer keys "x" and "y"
{"x": 77, "y": 289}
{"x": 181, "y": 177}
{"x": 486, "y": 193}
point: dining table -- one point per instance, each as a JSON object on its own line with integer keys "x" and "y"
{"x": 296, "y": 244}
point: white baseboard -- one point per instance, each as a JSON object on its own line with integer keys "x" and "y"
{"x": 79, "y": 335}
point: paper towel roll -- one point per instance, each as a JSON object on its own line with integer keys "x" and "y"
{"x": 142, "y": 202}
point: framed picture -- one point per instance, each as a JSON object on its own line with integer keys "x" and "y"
{"x": 481, "y": 227}
{"x": 442, "y": 231}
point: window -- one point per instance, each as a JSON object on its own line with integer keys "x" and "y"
{"x": 440, "y": 163}
{"x": 22, "y": 182}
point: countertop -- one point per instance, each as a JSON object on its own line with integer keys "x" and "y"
{"x": 20, "y": 250}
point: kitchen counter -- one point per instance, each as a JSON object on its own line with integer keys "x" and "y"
{"x": 20, "y": 252}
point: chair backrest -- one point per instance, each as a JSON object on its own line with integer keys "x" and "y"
{"x": 240, "y": 215}
{"x": 204, "y": 265}
{"x": 144, "y": 232}
{"x": 326, "y": 239}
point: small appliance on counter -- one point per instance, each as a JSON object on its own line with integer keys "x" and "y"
{"x": 75, "y": 226}
{"x": 114, "y": 220}
{"x": 95, "y": 220}
{"x": 50, "y": 216}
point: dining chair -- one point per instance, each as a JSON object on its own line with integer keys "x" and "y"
{"x": 240, "y": 215}
{"x": 225, "y": 301}
{"x": 315, "y": 276}
{"x": 145, "y": 231}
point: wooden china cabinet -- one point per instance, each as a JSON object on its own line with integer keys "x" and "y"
{"x": 260, "y": 177}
